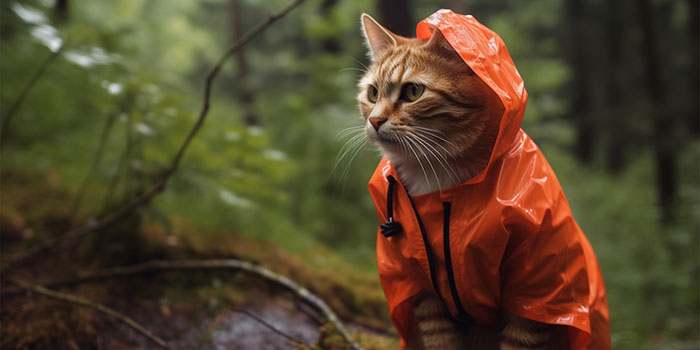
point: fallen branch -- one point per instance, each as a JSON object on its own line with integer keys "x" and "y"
{"x": 74, "y": 299}
{"x": 265, "y": 324}
{"x": 311, "y": 313}
{"x": 147, "y": 196}
{"x": 301, "y": 292}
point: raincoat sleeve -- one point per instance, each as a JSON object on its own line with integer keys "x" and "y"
{"x": 547, "y": 271}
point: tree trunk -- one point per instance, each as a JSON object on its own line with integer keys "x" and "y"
{"x": 397, "y": 16}
{"x": 244, "y": 94}
{"x": 693, "y": 117}
{"x": 581, "y": 101}
{"x": 330, "y": 43}
{"x": 615, "y": 154}
{"x": 61, "y": 10}
{"x": 663, "y": 123}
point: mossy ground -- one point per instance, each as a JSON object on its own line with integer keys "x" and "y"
{"x": 189, "y": 308}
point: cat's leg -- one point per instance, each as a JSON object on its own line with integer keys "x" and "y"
{"x": 436, "y": 331}
{"x": 523, "y": 334}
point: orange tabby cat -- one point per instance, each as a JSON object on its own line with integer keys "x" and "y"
{"x": 436, "y": 121}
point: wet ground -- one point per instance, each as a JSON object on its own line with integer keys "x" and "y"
{"x": 187, "y": 309}
{"x": 198, "y": 316}
{"x": 239, "y": 327}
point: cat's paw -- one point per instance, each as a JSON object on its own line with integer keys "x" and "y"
{"x": 523, "y": 334}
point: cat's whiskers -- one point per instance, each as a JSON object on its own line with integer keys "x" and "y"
{"x": 345, "y": 150}
{"x": 420, "y": 145}
{"x": 432, "y": 141}
{"x": 354, "y": 154}
{"x": 346, "y": 69}
{"x": 349, "y": 130}
{"x": 444, "y": 163}
{"x": 356, "y": 140}
{"x": 412, "y": 145}
{"x": 361, "y": 64}
{"x": 438, "y": 135}
{"x": 395, "y": 136}
{"x": 428, "y": 144}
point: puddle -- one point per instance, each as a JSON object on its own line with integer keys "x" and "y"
{"x": 235, "y": 330}
{"x": 227, "y": 329}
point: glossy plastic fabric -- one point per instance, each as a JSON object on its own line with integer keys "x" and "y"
{"x": 514, "y": 243}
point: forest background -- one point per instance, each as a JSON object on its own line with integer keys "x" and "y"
{"x": 98, "y": 95}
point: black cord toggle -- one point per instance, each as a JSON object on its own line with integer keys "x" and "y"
{"x": 391, "y": 227}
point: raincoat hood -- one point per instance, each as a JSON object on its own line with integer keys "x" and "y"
{"x": 486, "y": 54}
{"x": 502, "y": 241}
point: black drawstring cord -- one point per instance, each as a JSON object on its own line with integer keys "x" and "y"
{"x": 462, "y": 316}
{"x": 391, "y": 227}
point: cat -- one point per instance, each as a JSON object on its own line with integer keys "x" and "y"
{"x": 445, "y": 100}
{"x": 436, "y": 121}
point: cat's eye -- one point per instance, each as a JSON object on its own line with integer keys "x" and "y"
{"x": 411, "y": 91}
{"x": 372, "y": 93}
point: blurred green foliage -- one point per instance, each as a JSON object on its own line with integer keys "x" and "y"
{"x": 130, "y": 77}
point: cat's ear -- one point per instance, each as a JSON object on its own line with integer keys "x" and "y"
{"x": 378, "y": 38}
{"x": 439, "y": 44}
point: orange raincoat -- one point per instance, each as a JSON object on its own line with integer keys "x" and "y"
{"x": 504, "y": 240}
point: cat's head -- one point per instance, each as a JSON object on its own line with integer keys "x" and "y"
{"x": 422, "y": 103}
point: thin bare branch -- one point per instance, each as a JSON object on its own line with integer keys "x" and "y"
{"x": 76, "y": 300}
{"x": 122, "y": 170}
{"x": 97, "y": 158}
{"x": 12, "y": 110}
{"x": 301, "y": 292}
{"x": 147, "y": 196}
{"x": 274, "y": 329}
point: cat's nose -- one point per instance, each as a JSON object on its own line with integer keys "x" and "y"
{"x": 377, "y": 122}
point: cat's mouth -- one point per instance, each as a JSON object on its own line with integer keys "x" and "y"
{"x": 385, "y": 137}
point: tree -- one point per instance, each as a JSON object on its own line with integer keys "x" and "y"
{"x": 663, "y": 124}
{"x": 576, "y": 42}
{"x": 329, "y": 43}
{"x": 61, "y": 10}
{"x": 693, "y": 117}
{"x": 397, "y": 16}
{"x": 615, "y": 153}
{"x": 244, "y": 94}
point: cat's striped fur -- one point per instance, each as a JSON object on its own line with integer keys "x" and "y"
{"x": 436, "y": 141}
